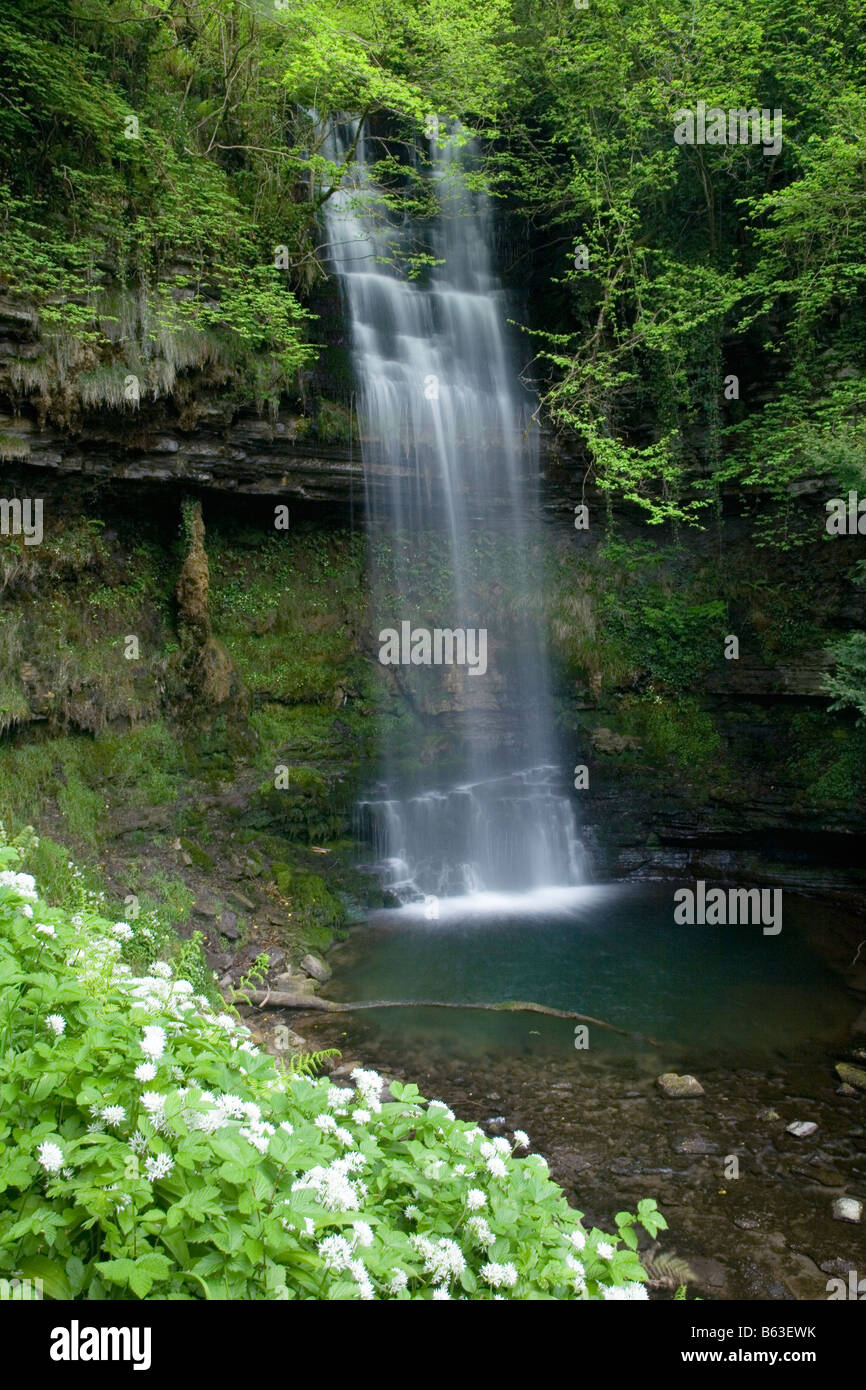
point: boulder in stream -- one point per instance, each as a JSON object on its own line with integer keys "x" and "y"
{"x": 853, "y": 1076}
{"x": 680, "y": 1087}
{"x": 316, "y": 967}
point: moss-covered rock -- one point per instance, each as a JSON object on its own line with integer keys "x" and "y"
{"x": 316, "y": 911}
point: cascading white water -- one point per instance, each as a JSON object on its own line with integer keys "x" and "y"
{"x": 451, "y": 468}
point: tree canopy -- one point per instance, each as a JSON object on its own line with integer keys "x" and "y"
{"x": 698, "y": 309}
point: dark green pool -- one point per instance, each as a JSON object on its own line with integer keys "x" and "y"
{"x": 613, "y": 952}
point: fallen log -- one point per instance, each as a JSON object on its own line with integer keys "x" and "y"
{"x": 282, "y": 999}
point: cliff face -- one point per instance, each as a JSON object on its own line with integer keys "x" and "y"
{"x": 201, "y": 434}
{"x": 696, "y": 699}
{"x": 693, "y": 760}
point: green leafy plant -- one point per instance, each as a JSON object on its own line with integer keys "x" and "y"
{"x": 149, "y": 1150}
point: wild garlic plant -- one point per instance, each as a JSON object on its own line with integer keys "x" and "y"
{"x": 149, "y": 1149}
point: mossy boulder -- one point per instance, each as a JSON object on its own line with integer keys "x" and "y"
{"x": 303, "y": 803}
{"x": 316, "y": 911}
{"x": 199, "y": 857}
{"x": 851, "y": 1076}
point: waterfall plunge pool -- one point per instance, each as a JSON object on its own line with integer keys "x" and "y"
{"x": 610, "y": 951}
{"x": 759, "y": 1019}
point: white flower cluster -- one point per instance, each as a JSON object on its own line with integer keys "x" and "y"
{"x": 22, "y": 884}
{"x": 439, "y": 1108}
{"x": 339, "y": 1098}
{"x": 333, "y": 1185}
{"x": 480, "y": 1231}
{"x": 159, "y": 1166}
{"x": 153, "y": 1042}
{"x": 96, "y": 961}
{"x": 338, "y": 1254}
{"x": 369, "y": 1086}
{"x": 494, "y": 1152}
{"x": 257, "y": 1131}
{"x": 154, "y": 1103}
{"x": 499, "y": 1276}
{"x": 444, "y": 1259}
{"x": 112, "y": 1115}
{"x": 577, "y": 1269}
{"x": 50, "y": 1155}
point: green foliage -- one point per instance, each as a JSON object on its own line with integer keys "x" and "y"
{"x": 678, "y": 728}
{"x": 149, "y": 1150}
{"x": 154, "y": 252}
{"x": 316, "y": 912}
{"x": 670, "y": 639}
{"x": 847, "y": 683}
{"x": 288, "y": 611}
{"x": 703, "y": 261}
{"x": 308, "y": 1063}
{"x": 165, "y": 218}
{"x": 252, "y": 977}
{"x": 312, "y": 807}
{"x": 141, "y": 766}
{"x": 173, "y": 894}
{"x": 636, "y": 612}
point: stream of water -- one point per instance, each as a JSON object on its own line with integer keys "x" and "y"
{"x": 450, "y": 461}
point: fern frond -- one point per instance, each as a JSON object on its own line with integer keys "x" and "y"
{"x": 308, "y": 1063}
{"x": 668, "y": 1271}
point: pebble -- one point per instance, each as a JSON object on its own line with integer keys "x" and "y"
{"x": 801, "y": 1129}
{"x": 695, "y": 1144}
{"x": 848, "y": 1209}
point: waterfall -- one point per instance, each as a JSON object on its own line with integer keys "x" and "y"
{"x": 451, "y": 476}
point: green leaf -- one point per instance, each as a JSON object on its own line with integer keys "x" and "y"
{"x": 55, "y": 1283}
{"x": 141, "y": 1282}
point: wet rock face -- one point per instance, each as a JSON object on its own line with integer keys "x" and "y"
{"x": 202, "y": 433}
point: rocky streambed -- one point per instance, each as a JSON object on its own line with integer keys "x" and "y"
{"x": 760, "y": 1169}
{"x": 612, "y": 1136}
